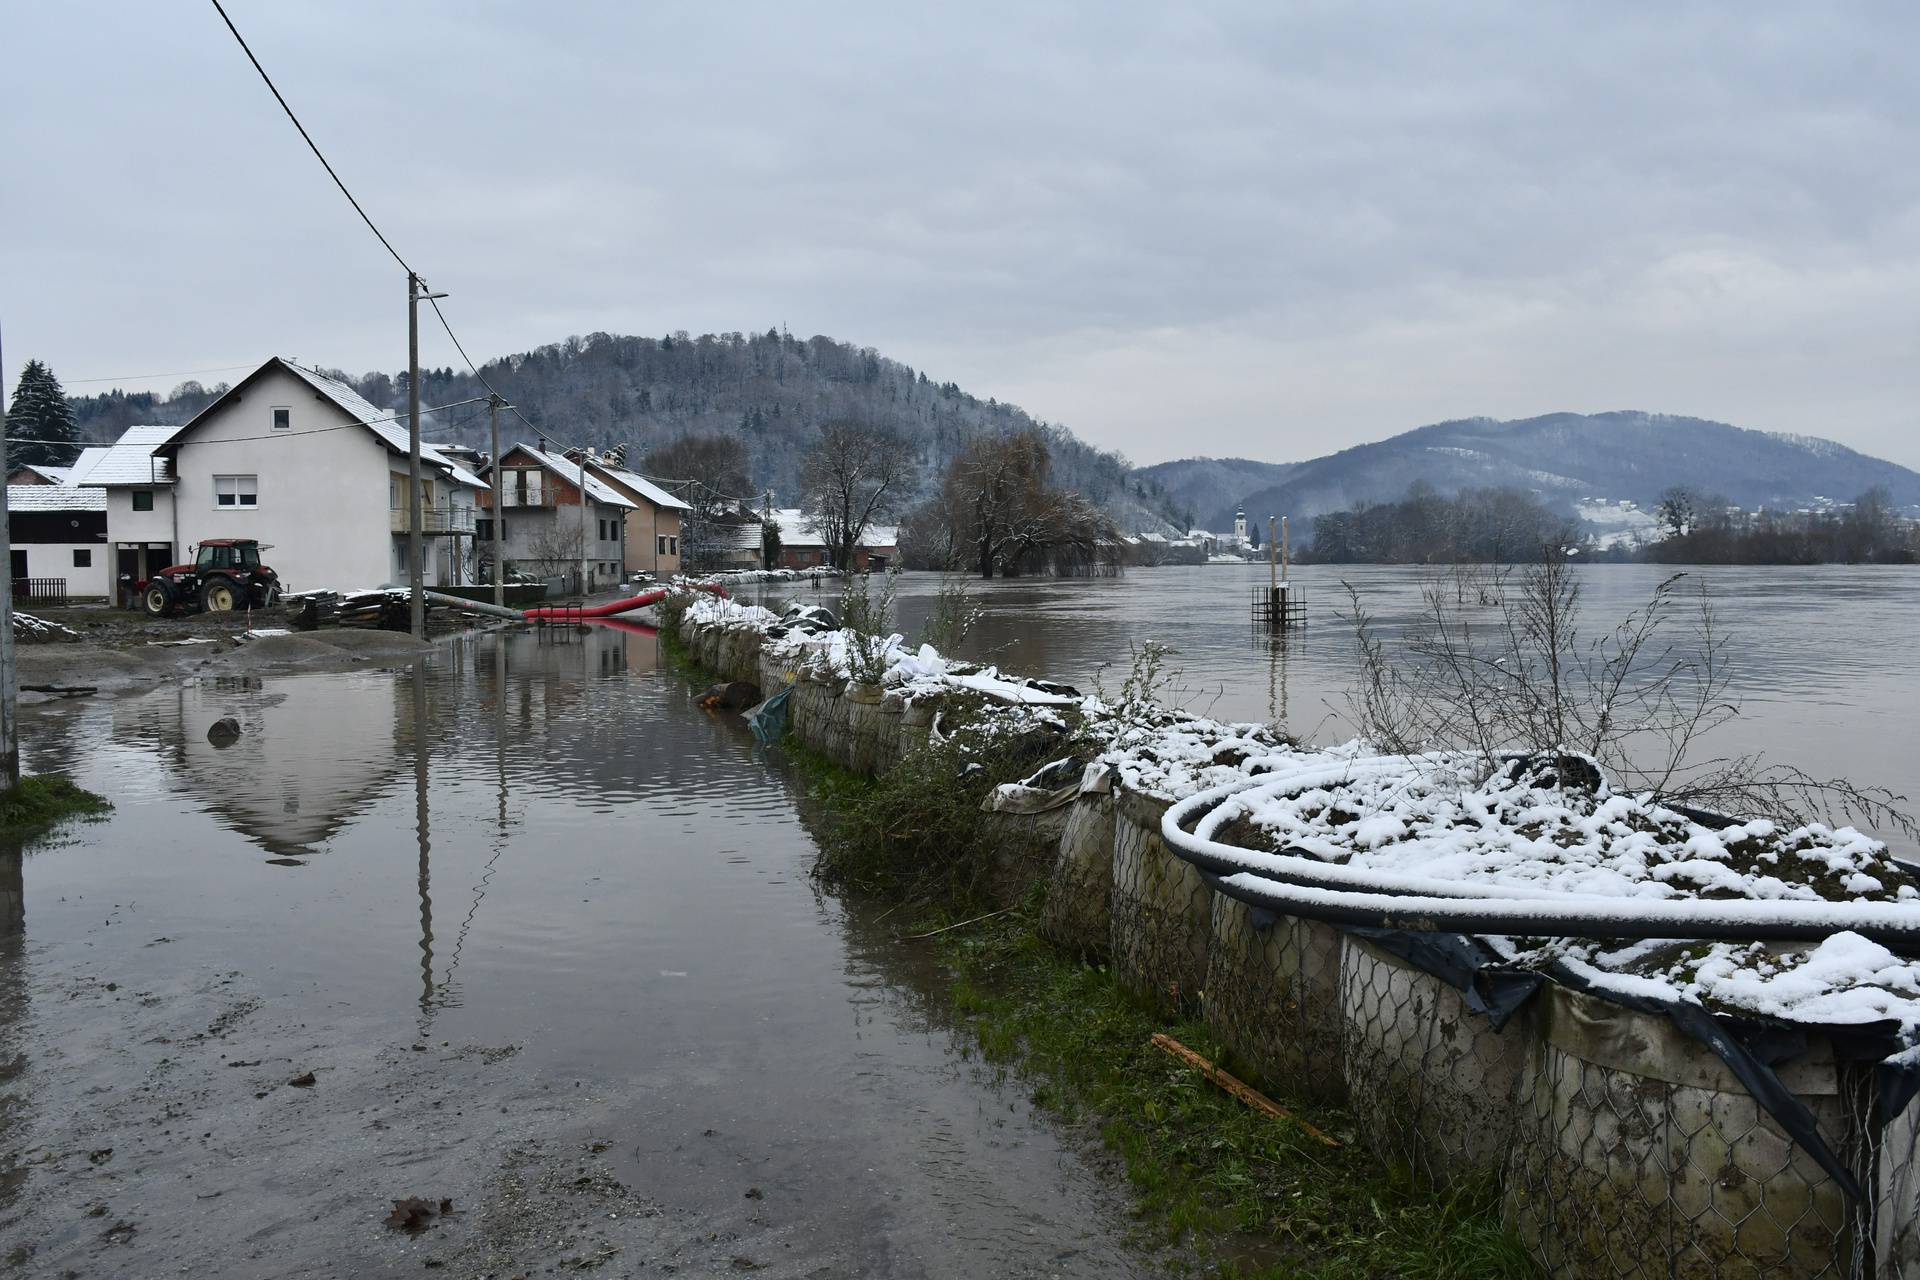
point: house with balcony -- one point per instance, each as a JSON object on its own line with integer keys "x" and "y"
{"x": 546, "y": 529}
{"x": 299, "y": 461}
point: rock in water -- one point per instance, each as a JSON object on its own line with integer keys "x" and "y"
{"x": 224, "y": 732}
{"x": 735, "y": 695}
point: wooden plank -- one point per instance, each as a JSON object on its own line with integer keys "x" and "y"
{"x": 1239, "y": 1088}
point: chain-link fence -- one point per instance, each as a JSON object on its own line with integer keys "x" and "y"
{"x": 1273, "y": 993}
{"x": 1161, "y": 910}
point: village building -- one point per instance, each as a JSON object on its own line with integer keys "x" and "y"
{"x": 298, "y": 461}
{"x": 543, "y": 529}
{"x": 58, "y": 537}
{"x": 802, "y": 547}
{"x": 654, "y": 525}
{"x": 37, "y": 473}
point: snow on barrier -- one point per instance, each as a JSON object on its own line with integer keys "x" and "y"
{"x": 1386, "y": 932}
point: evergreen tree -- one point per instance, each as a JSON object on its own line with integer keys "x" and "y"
{"x": 40, "y": 426}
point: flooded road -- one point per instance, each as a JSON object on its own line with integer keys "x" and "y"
{"x": 542, "y": 933}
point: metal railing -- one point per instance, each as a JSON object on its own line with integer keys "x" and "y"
{"x": 435, "y": 520}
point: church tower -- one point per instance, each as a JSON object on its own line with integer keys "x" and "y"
{"x": 1240, "y": 527}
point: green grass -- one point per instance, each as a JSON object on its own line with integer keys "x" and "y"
{"x": 1255, "y": 1196}
{"x": 41, "y": 803}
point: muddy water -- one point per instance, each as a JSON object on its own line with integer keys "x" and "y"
{"x": 542, "y": 934}
{"x": 1823, "y": 658}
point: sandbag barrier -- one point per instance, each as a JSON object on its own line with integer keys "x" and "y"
{"x": 1623, "y": 1147}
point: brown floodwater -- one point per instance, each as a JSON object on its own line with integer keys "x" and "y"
{"x": 1825, "y": 660}
{"x": 543, "y": 933}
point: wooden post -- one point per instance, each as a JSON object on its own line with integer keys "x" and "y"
{"x": 1273, "y": 582}
{"x": 1286, "y": 553}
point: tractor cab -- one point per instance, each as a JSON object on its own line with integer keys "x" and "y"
{"x": 227, "y": 553}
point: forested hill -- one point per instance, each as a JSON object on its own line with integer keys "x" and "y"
{"x": 769, "y": 389}
{"x": 1560, "y": 457}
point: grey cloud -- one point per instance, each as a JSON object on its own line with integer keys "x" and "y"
{"x": 1242, "y": 228}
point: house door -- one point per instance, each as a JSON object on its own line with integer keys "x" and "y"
{"x": 19, "y": 564}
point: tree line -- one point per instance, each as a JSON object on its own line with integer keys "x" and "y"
{"x": 1703, "y": 528}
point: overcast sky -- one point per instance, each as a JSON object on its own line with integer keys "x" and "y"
{"x": 1270, "y": 230}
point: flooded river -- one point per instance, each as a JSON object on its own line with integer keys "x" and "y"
{"x": 541, "y": 932}
{"x": 1826, "y": 661}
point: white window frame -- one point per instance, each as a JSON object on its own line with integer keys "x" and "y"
{"x": 279, "y": 409}
{"x": 659, "y": 544}
{"x": 242, "y": 487}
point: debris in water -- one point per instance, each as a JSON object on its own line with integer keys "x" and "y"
{"x": 224, "y": 732}
{"x": 302, "y": 1081}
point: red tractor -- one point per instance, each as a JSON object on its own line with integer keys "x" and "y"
{"x": 226, "y": 575}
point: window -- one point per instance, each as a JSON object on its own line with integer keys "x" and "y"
{"x": 660, "y": 544}
{"x": 483, "y": 529}
{"x": 82, "y": 558}
{"x": 282, "y": 418}
{"x": 673, "y": 546}
{"x": 143, "y": 499}
{"x": 236, "y": 491}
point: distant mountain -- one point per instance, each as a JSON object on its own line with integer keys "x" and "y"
{"x": 1194, "y": 485}
{"x": 771, "y": 390}
{"x": 1562, "y": 457}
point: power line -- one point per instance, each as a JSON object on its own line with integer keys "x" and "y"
{"x": 142, "y": 377}
{"x": 311, "y": 145}
{"x": 279, "y": 435}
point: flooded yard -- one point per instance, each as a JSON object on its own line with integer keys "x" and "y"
{"x": 540, "y": 934}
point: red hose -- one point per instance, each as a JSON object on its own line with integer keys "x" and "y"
{"x": 575, "y": 612}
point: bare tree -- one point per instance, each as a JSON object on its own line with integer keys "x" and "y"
{"x": 1642, "y": 701}
{"x": 856, "y": 474}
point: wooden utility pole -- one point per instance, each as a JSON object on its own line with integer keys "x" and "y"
{"x": 9, "y": 676}
{"x": 583, "y": 522}
{"x": 494, "y": 402}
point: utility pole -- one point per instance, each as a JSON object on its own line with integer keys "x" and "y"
{"x": 416, "y": 539}
{"x": 494, "y": 404}
{"x": 9, "y": 676}
{"x": 583, "y": 523}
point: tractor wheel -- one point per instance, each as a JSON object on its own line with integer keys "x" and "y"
{"x": 158, "y": 599}
{"x": 220, "y": 596}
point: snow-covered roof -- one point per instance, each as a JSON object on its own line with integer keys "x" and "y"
{"x": 394, "y": 433}
{"x": 796, "y": 530}
{"x": 128, "y": 460}
{"x": 641, "y": 485}
{"x": 599, "y": 490}
{"x": 54, "y": 497}
{"x": 52, "y": 475}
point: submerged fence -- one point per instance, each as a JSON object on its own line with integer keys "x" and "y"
{"x": 1630, "y": 1138}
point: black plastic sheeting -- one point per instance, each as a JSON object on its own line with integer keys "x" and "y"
{"x": 1750, "y": 1046}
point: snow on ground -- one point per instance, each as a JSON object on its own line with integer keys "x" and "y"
{"x": 1436, "y": 825}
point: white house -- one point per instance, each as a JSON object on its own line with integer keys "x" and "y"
{"x": 299, "y": 461}
{"x": 58, "y": 538}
